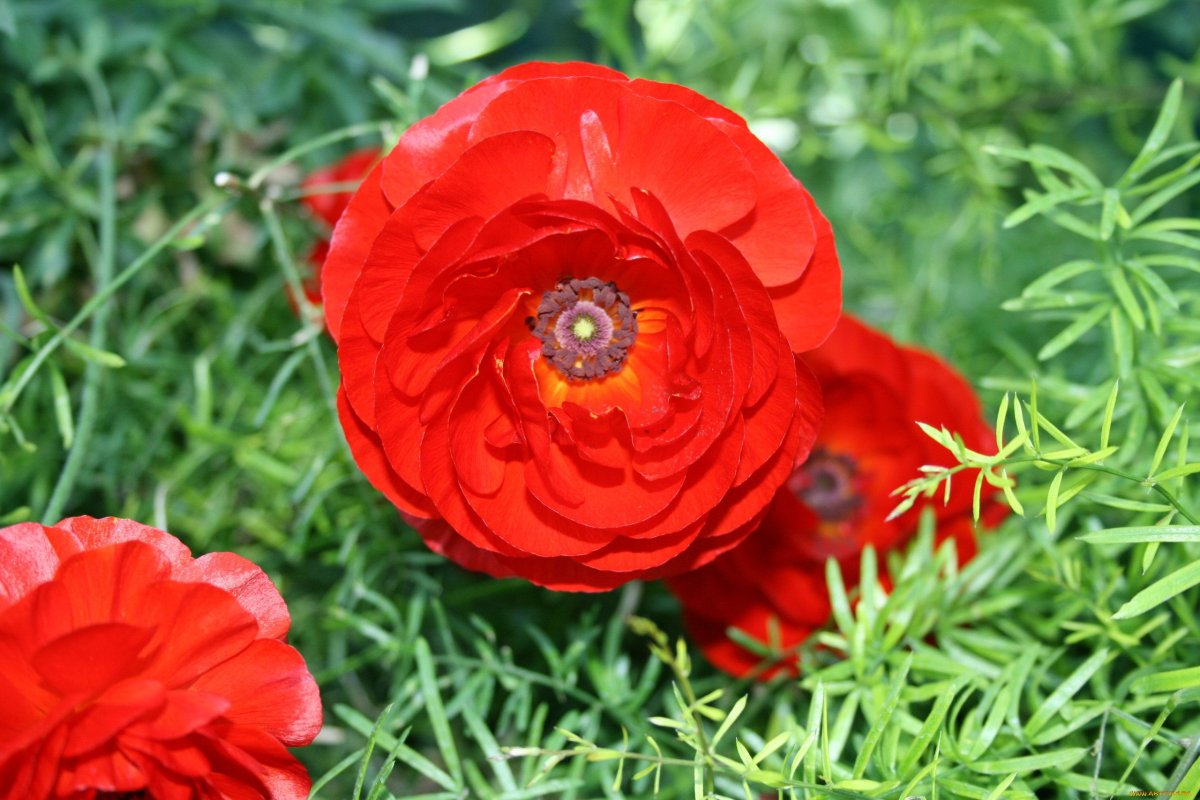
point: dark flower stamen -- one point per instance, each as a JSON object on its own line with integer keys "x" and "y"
{"x": 586, "y": 327}
{"x": 828, "y": 484}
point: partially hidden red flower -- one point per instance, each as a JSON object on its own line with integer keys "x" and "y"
{"x": 566, "y": 306}
{"x": 129, "y": 669}
{"x": 328, "y": 206}
{"x": 837, "y": 502}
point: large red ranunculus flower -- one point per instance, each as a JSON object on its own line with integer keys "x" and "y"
{"x": 129, "y": 669}
{"x": 328, "y": 206}
{"x": 566, "y": 306}
{"x": 837, "y": 502}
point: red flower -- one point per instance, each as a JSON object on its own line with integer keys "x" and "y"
{"x": 565, "y": 308}
{"x": 130, "y": 669}
{"x": 328, "y": 206}
{"x": 837, "y": 502}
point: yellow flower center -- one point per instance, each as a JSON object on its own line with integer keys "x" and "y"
{"x": 584, "y": 327}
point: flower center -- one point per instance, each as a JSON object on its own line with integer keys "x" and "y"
{"x": 586, "y": 327}
{"x": 828, "y": 483}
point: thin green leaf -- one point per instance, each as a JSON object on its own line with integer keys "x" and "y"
{"x": 1001, "y": 788}
{"x": 1158, "y": 134}
{"x": 1163, "y": 196}
{"x": 1110, "y": 406}
{"x": 730, "y": 718}
{"x": 778, "y": 741}
{"x": 1050, "y": 157}
{"x": 476, "y": 41}
{"x": 1070, "y": 334}
{"x": 885, "y": 716}
{"x": 976, "y": 496}
{"x": 1124, "y": 294}
{"x": 1155, "y": 284}
{"x": 89, "y": 353}
{"x": 26, "y": 298}
{"x": 993, "y": 722}
{"x": 1165, "y": 441}
{"x": 1171, "y": 260}
{"x": 1001, "y": 418}
{"x": 490, "y": 748}
{"x": 1170, "y": 681}
{"x": 1190, "y": 785}
{"x": 1072, "y": 223}
{"x": 1010, "y": 497}
{"x": 1108, "y": 213}
{"x": 837, "y": 596}
{"x": 1052, "y": 500}
{"x": 1035, "y": 419}
{"x": 1161, "y": 591}
{"x": 1175, "y": 472}
{"x": 62, "y": 407}
{"x": 931, "y": 725}
{"x": 1065, "y": 691}
{"x": 435, "y": 709}
{"x": 1148, "y": 556}
{"x": 1056, "y": 759}
{"x": 816, "y": 728}
{"x": 1063, "y": 272}
{"x": 1042, "y": 204}
{"x": 1139, "y": 534}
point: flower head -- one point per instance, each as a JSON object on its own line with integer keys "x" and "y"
{"x": 566, "y": 307}
{"x": 837, "y": 502}
{"x": 129, "y": 669}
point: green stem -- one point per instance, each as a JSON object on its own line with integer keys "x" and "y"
{"x": 1157, "y": 487}
{"x": 1059, "y": 462}
{"x": 307, "y": 310}
{"x": 260, "y": 174}
{"x": 689, "y": 694}
{"x": 1185, "y": 765}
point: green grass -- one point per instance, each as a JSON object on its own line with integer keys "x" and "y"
{"x": 1012, "y": 184}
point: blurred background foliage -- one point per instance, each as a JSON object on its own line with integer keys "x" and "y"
{"x": 151, "y": 366}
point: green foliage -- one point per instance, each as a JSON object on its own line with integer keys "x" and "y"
{"x": 966, "y": 152}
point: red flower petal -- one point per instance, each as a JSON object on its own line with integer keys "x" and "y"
{"x": 366, "y": 213}
{"x": 369, "y": 455}
{"x": 488, "y": 177}
{"x": 92, "y": 533}
{"x": 280, "y": 773}
{"x": 91, "y": 657}
{"x": 27, "y": 559}
{"x": 133, "y": 667}
{"x": 854, "y": 347}
{"x": 533, "y": 70}
{"x": 808, "y": 308}
{"x": 269, "y": 688}
{"x": 197, "y": 626}
{"x": 248, "y": 584}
